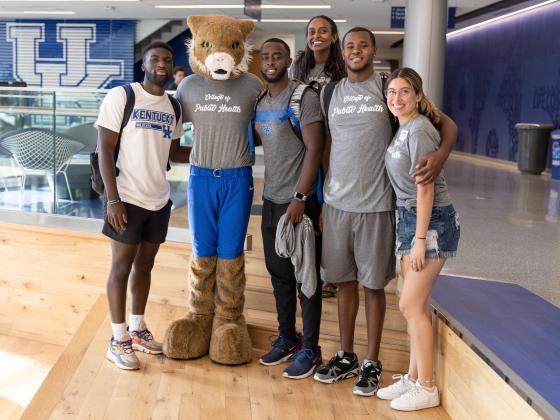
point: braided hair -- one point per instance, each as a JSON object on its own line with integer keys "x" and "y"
{"x": 305, "y": 60}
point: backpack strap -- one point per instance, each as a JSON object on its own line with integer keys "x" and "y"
{"x": 294, "y": 112}
{"x": 294, "y": 109}
{"x": 128, "y": 107}
{"x": 315, "y": 85}
{"x": 327, "y": 92}
{"x": 251, "y": 127}
{"x": 294, "y": 105}
{"x": 320, "y": 181}
{"x": 327, "y": 96}
{"x": 176, "y": 107}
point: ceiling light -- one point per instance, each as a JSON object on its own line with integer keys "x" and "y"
{"x": 284, "y": 20}
{"x": 57, "y": 1}
{"x": 239, "y": 6}
{"x": 507, "y": 15}
{"x": 387, "y": 32}
{"x": 289, "y": 6}
{"x": 200, "y": 6}
{"x": 38, "y": 12}
{"x": 295, "y": 20}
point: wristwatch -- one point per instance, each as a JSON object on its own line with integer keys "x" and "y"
{"x": 300, "y": 196}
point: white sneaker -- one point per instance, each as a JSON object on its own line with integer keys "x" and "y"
{"x": 402, "y": 386}
{"x": 417, "y": 398}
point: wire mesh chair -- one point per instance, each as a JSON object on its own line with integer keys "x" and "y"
{"x": 5, "y": 153}
{"x": 41, "y": 152}
{"x": 85, "y": 133}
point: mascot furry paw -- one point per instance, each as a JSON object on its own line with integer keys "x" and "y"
{"x": 219, "y": 55}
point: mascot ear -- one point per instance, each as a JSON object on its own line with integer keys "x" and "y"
{"x": 194, "y": 21}
{"x": 246, "y": 26}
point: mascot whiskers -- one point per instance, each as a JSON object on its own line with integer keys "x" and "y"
{"x": 218, "y": 99}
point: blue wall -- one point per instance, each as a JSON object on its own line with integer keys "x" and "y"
{"x": 501, "y": 74}
{"x": 67, "y": 53}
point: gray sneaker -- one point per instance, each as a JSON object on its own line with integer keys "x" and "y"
{"x": 339, "y": 367}
{"x": 144, "y": 341}
{"x": 370, "y": 379}
{"x": 122, "y": 355}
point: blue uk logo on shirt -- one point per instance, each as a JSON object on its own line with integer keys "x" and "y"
{"x": 267, "y": 129}
{"x": 154, "y": 120}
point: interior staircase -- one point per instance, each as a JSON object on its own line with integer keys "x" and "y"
{"x": 165, "y": 33}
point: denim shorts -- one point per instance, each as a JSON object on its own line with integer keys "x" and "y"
{"x": 442, "y": 237}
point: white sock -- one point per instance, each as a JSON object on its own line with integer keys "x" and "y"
{"x": 136, "y": 322}
{"x": 119, "y": 331}
{"x": 427, "y": 388}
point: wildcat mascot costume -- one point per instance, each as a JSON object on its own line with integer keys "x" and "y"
{"x": 218, "y": 99}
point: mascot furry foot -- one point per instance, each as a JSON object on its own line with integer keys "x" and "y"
{"x": 189, "y": 338}
{"x": 230, "y": 343}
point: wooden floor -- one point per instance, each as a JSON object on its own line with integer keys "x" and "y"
{"x": 84, "y": 385}
{"x": 24, "y": 365}
{"x": 54, "y": 328}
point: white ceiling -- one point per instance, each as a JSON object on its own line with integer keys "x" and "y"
{"x": 373, "y": 14}
{"x": 370, "y": 13}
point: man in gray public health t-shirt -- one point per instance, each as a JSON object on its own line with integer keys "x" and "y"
{"x": 358, "y": 214}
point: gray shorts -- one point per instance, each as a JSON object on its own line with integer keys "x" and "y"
{"x": 358, "y": 246}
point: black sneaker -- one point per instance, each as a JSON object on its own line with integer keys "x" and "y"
{"x": 338, "y": 368}
{"x": 282, "y": 350}
{"x": 370, "y": 379}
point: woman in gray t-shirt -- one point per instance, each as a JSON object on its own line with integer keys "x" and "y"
{"x": 321, "y": 61}
{"x": 427, "y": 232}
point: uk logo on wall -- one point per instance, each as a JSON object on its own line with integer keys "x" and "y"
{"x": 57, "y": 53}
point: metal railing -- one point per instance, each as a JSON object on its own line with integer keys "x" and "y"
{"x": 67, "y": 113}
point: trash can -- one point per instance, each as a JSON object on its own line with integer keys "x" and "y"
{"x": 555, "y": 164}
{"x": 532, "y": 146}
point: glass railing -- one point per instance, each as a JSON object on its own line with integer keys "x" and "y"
{"x": 46, "y": 137}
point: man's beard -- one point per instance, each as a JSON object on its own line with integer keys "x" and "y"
{"x": 279, "y": 76}
{"x": 157, "y": 80}
{"x": 362, "y": 69}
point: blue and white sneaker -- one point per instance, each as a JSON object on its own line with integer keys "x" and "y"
{"x": 282, "y": 350}
{"x": 305, "y": 361}
{"x": 122, "y": 354}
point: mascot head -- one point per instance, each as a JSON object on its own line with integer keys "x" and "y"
{"x": 218, "y": 49}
